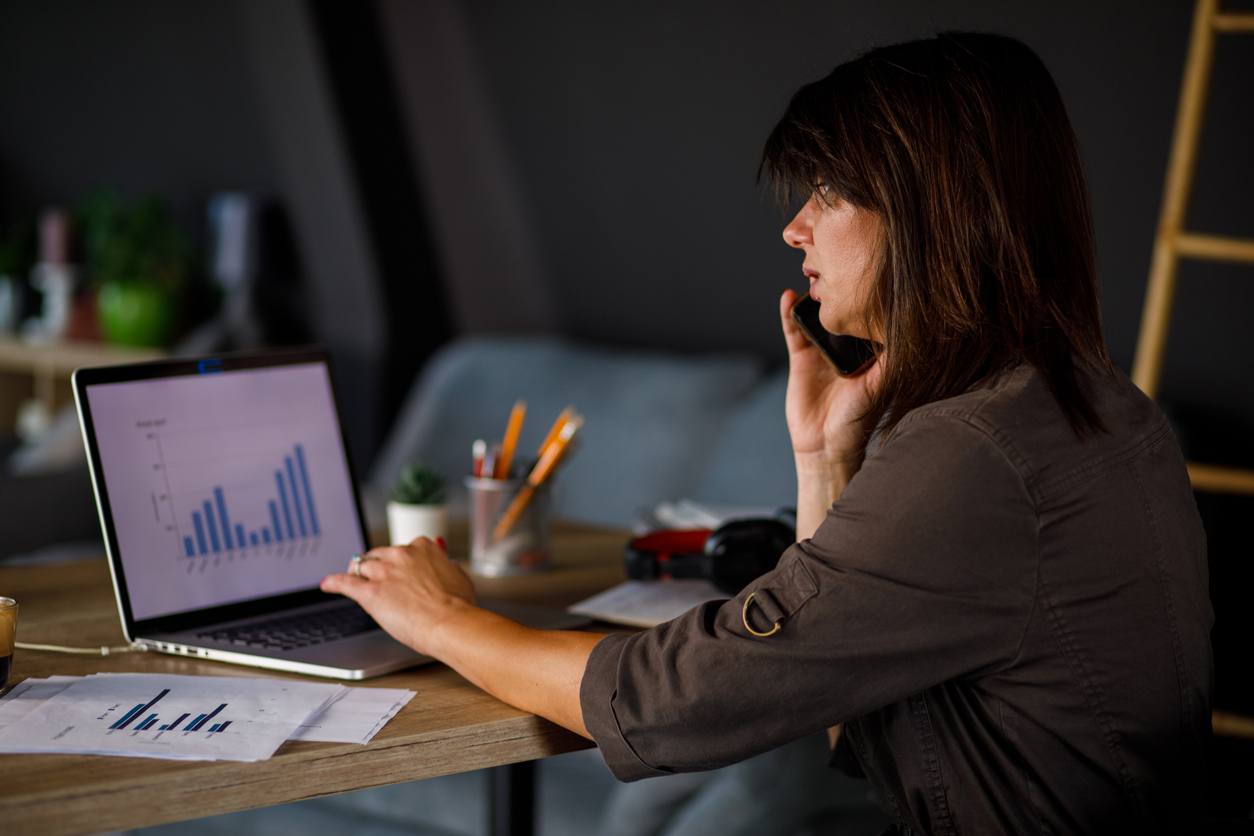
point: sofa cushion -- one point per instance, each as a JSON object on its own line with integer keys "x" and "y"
{"x": 751, "y": 464}
{"x": 652, "y": 419}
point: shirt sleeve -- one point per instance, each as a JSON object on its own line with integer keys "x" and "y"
{"x": 923, "y": 572}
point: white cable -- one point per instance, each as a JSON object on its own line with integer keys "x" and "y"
{"x": 89, "y": 651}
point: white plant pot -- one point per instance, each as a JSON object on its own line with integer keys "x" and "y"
{"x": 406, "y": 522}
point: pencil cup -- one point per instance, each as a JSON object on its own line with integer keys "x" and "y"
{"x": 524, "y": 547}
{"x": 8, "y": 633}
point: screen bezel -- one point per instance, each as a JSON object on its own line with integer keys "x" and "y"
{"x": 152, "y": 370}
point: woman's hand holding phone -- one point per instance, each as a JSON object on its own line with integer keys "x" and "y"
{"x": 825, "y": 420}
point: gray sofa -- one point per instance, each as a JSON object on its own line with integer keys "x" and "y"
{"x": 658, "y": 427}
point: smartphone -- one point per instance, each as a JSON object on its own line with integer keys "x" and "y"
{"x": 849, "y": 355}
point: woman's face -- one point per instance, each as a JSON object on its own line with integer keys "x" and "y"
{"x": 841, "y": 243}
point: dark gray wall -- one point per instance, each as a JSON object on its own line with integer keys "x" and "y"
{"x": 150, "y": 96}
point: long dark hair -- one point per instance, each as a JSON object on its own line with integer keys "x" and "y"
{"x": 962, "y": 145}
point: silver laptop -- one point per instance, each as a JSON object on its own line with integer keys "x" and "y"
{"x": 226, "y": 494}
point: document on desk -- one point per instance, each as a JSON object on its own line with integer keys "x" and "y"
{"x": 29, "y": 694}
{"x": 647, "y": 603}
{"x": 356, "y": 717}
{"x": 169, "y": 716}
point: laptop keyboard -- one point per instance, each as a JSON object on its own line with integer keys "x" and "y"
{"x": 292, "y": 631}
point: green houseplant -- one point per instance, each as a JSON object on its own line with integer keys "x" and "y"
{"x": 416, "y": 506}
{"x": 139, "y": 261}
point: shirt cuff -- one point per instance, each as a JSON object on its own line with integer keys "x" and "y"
{"x": 597, "y": 690}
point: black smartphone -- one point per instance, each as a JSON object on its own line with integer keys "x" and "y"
{"x": 849, "y": 355}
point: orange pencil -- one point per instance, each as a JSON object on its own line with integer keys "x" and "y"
{"x": 542, "y": 470}
{"x": 561, "y": 421}
{"x": 516, "y": 417}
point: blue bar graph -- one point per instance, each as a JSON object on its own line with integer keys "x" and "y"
{"x": 188, "y": 727}
{"x": 206, "y": 718}
{"x": 127, "y": 716}
{"x": 304, "y": 480}
{"x": 224, "y": 725}
{"x": 222, "y": 517}
{"x": 287, "y": 511}
{"x": 274, "y": 518}
{"x": 200, "y": 531}
{"x": 287, "y": 515}
{"x": 147, "y": 724}
{"x": 212, "y": 526}
{"x": 175, "y": 724}
{"x": 137, "y": 710}
{"x": 291, "y": 478}
{"x": 215, "y": 727}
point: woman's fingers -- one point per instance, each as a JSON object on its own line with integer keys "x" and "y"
{"x": 793, "y": 334}
{"x": 344, "y": 584}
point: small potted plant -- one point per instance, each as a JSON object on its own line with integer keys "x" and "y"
{"x": 416, "y": 506}
{"x": 140, "y": 262}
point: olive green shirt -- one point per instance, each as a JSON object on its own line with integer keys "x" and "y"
{"x": 1012, "y": 622}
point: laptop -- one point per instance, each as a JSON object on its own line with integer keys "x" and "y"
{"x": 226, "y": 494}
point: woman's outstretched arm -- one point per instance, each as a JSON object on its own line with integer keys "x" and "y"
{"x": 426, "y": 601}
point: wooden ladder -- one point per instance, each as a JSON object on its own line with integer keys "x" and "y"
{"x": 1173, "y": 243}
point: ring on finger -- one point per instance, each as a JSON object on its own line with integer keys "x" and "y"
{"x": 359, "y": 559}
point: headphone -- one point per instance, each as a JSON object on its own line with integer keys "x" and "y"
{"x": 731, "y": 556}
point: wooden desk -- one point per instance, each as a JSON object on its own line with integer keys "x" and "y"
{"x": 450, "y": 726}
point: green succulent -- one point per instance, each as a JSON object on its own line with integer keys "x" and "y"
{"x": 142, "y": 243}
{"x": 419, "y": 484}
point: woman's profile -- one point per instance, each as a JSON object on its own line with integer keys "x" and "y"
{"x": 998, "y": 602}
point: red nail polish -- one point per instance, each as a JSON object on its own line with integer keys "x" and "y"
{"x": 439, "y": 541}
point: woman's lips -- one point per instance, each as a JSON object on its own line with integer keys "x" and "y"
{"x": 813, "y": 276}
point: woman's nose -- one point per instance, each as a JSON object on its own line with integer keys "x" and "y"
{"x": 798, "y": 232}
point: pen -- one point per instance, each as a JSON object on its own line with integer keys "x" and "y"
{"x": 478, "y": 450}
{"x": 489, "y": 461}
{"x": 542, "y": 470}
{"x": 516, "y": 417}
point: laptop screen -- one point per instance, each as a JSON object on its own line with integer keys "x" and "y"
{"x": 226, "y": 486}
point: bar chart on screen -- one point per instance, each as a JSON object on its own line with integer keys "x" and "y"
{"x": 222, "y": 493}
{"x": 286, "y": 519}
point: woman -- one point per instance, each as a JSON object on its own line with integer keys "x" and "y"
{"x": 1005, "y": 602}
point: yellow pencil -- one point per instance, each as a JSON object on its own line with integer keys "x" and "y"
{"x": 539, "y": 473}
{"x": 555, "y": 429}
{"x": 516, "y": 417}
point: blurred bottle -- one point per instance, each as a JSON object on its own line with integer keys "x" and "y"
{"x": 54, "y": 277}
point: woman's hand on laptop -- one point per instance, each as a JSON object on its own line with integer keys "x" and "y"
{"x": 409, "y": 590}
{"x": 426, "y": 601}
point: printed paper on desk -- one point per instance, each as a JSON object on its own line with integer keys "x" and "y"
{"x": 29, "y": 694}
{"x": 356, "y": 717}
{"x": 647, "y": 603}
{"x": 168, "y": 716}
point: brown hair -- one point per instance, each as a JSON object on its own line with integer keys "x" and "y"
{"x": 962, "y": 145}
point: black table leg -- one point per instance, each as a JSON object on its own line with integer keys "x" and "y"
{"x": 512, "y": 802}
